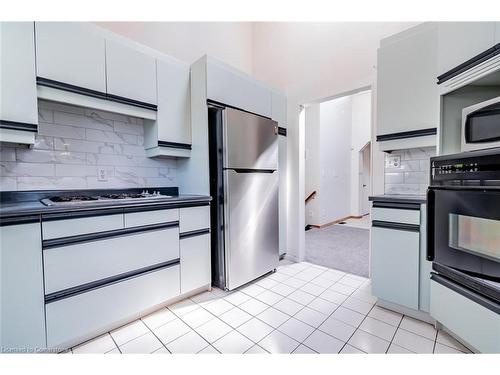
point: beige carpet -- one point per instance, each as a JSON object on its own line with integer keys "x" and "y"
{"x": 340, "y": 247}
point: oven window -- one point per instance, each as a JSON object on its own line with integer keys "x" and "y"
{"x": 475, "y": 235}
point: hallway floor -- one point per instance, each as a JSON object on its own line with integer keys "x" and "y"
{"x": 301, "y": 308}
{"x": 344, "y": 247}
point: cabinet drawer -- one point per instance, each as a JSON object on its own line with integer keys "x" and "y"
{"x": 83, "y": 316}
{"x": 195, "y": 262}
{"x": 135, "y": 219}
{"x": 81, "y": 263}
{"x": 395, "y": 265}
{"x": 396, "y": 215}
{"x": 74, "y": 227}
{"x": 194, "y": 218}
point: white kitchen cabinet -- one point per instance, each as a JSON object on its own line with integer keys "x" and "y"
{"x": 395, "y": 266}
{"x": 22, "y": 314}
{"x": 497, "y": 32}
{"x": 461, "y": 41}
{"x": 195, "y": 262}
{"x": 130, "y": 73}
{"x": 282, "y": 154}
{"x": 170, "y": 134}
{"x": 194, "y": 218}
{"x": 83, "y": 316}
{"x": 18, "y": 99}
{"x": 81, "y": 263}
{"x": 72, "y": 53}
{"x": 407, "y": 96}
{"x": 136, "y": 219}
{"x": 83, "y": 225}
{"x": 278, "y": 112}
{"x": 472, "y": 322}
{"x": 229, "y": 86}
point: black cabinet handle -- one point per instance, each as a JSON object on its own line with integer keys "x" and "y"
{"x": 431, "y": 197}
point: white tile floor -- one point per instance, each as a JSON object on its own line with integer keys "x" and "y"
{"x": 302, "y": 308}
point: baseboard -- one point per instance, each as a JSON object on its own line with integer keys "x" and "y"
{"x": 335, "y": 221}
{"x": 417, "y": 314}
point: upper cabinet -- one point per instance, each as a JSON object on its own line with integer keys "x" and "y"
{"x": 18, "y": 100}
{"x": 461, "y": 41}
{"x": 278, "y": 108}
{"x": 130, "y": 73}
{"x": 170, "y": 134}
{"x": 228, "y": 86}
{"x": 71, "y": 53}
{"x": 407, "y": 96}
{"x": 497, "y": 32}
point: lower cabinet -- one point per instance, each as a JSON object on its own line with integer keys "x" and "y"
{"x": 474, "y": 323}
{"x": 195, "y": 262}
{"x": 22, "y": 325}
{"x": 395, "y": 265}
{"x": 83, "y": 316}
{"x": 74, "y": 265}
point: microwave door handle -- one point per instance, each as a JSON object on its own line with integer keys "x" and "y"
{"x": 431, "y": 212}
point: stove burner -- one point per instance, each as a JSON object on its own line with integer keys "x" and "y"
{"x": 82, "y": 199}
{"x": 73, "y": 198}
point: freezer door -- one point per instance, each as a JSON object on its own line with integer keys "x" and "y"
{"x": 251, "y": 226}
{"x": 250, "y": 141}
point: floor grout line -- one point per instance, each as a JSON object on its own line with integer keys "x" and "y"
{"x": 362, "y": 287}
{"x": 394, "y": 335}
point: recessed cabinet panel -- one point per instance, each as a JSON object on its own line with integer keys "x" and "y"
{"x": 195, "y": 262}
{"x": 18, "y": 100}
{"x": 395, "y": 266}
{"x": 227, "y": 86}
{"x": 73, "y": 265}
{"x": 71, "y": 52}
{"x": 22, "y": 305}
{"x": 407, "y": 96}
{"x": 279, "y": 108}
{"x": 87, "y": 315}
{"x": 461, "y": 41}
{"x": 174, "y": 109}
{"x": 194, "y": 218}
{"x": 74, "y": 227}
{"x": 130, "y": 73}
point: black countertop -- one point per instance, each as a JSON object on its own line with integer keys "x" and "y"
{"x": 12, "y": 206}
{"x": 399, "y": 198}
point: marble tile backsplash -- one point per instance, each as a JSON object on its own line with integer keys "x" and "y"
{"x": 73, "y": 143}
{"x": 412, "y": 175}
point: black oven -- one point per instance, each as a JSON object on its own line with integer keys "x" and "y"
{"x": 464, "y": 220}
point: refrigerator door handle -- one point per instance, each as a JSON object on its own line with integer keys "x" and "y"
{"x": 249, "y": 170}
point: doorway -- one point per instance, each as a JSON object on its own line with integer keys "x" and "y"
{"x": 338, "y": 181}
{"x": 364, "y": 179}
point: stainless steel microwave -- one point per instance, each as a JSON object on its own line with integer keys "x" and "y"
{"x": 481, "y": 125}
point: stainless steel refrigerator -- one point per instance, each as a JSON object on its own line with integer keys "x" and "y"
{"x": 244, "y": 187}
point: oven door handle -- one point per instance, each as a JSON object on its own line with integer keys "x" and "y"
{"x": 431, "y": 213}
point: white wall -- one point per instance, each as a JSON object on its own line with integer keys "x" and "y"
{"x": 361, "y": 135}
{"x": 312, "y": 61}
{"x": 312, "y": 162}
{"x": 335, "y": 160}
{"x": 230, "y": 42}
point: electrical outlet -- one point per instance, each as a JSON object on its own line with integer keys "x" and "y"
{"x": 102, "y": 174}
{"x": 393, "y": 161}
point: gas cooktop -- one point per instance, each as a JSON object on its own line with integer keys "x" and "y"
{"x": 103, "y": 198}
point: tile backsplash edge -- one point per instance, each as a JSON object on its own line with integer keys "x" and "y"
{"x": 73, "y": 144}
